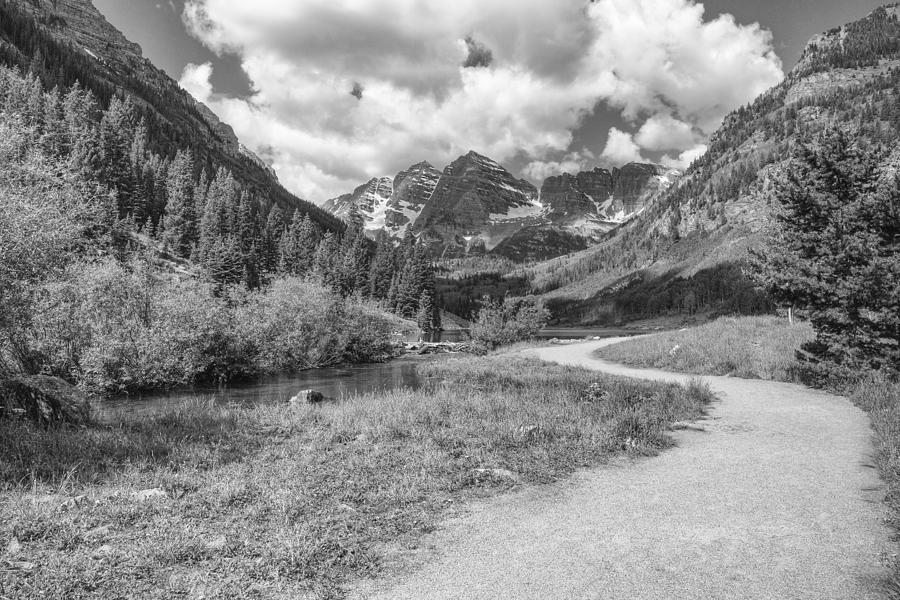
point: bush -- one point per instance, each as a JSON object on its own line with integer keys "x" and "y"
{"x": 507, "y": 322}
{"x": 116, "y": 328}
{"x": 292, "y": 325}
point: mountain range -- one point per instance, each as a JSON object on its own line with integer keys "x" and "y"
{"x": 623, "y": 244}
{"x": 476, "y": 207}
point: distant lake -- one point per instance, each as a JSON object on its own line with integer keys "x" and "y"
{"x": 575, "y": 333}
{"x": 333, "y": 382}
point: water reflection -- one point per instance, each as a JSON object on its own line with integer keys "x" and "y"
{"x": 334, "y": 382}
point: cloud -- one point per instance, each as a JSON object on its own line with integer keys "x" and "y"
{"x": 684, "y": 160}
{"x": 543, "y": 68}
{"x": 571, "y": 163}
{"x": 195, "y": 80}
{"x": 664, "y": 132}
{"x": 620, "y": 149}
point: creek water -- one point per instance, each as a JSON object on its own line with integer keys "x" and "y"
{"x": 577, "y": 333}
{"x": 333, "y": 382}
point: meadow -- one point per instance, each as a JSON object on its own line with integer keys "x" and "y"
{"x": 288, "y": 502}
{"x": 749, "y": 347}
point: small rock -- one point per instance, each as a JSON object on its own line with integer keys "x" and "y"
{"x": 496, "y": 473}
{"x": 674, "y": 350}
{"x": 73, "y": 502}
{"x": 307, "y": 397}
{"x": 97, "y": 532}
{"x": 528, "y": 432}
{"x": 154, "y": 494}
{"x": 102, "y": 552}
{"x": 217, "y": 543}
{"x": 13, "y": 547}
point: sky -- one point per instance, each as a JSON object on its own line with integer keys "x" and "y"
{"x": 334, "y": 92}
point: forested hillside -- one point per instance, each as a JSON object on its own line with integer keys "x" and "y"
{"x": 134, "y": 258}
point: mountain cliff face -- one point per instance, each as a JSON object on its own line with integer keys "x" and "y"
{"x": 848, "y": 78}
{"x": 475, "y": 206}
{"x": 412, "y": 189}
{"x": 366, "y": 204}
{"x": 75, "y": 42}
{"x": 600, "y": 200}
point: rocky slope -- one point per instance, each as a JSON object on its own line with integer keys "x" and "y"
{"x": 388, "y": 204}
{"x": 848, "y": 78}
{"x": 475, "y": 206}
{"x": 75, "y": 41}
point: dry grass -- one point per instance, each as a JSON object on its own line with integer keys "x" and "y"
{"x": 751, "y": 347}
{"x": 279, "y": 502}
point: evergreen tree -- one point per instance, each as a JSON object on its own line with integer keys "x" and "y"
{"x": 383, "y": 267}
{"x": 180, "y": 221}
{"x": 324, "y": 262}
{"x": 274, "y": 231}
{"x": 835, "y": 252}
{"x": 298, "y": 246}
{"x": 425, "y": 313}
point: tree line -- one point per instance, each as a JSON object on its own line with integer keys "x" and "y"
{"x": 210, "y": 218}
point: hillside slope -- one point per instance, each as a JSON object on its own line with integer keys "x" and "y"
{"x": 704, "y": 225}
{"x": 64, "y": 41}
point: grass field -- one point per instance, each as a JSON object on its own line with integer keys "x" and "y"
{"x": 764, "y": 348}
{"x": 282, "y": 502}
{"x": 751, "y": 347}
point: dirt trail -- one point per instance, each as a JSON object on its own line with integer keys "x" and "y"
{"x": 775, "y": 498}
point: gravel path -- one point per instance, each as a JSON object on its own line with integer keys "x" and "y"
{"x": 772, "y": 496}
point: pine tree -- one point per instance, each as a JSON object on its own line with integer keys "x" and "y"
{"x": 298, "y": 246}
{"x": 180, "y": 221}
{"x": 324, "y": 262}
{"x": 425, "y": 313}
{"x": 383, "y": 267}
{"x": 835, "y": 252}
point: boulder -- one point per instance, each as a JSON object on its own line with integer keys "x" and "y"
{"x": 43, "y": 399}
{"x": 308, "y": 397}
{"x": 216, "y": 544}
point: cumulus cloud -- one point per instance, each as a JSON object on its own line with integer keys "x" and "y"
{"x": 664, "y": 132}
{"x": 195, "y": 80}
{"x": 543, "y": 68}
{"x": 620, "y": 149}
{"x": 684, "y": 160}
{"x": 571, "y": 163}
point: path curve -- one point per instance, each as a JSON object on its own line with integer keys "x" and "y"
{"x": 777, "y": 498}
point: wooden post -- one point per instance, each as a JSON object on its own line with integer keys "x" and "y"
{"x": 791, "y": 315}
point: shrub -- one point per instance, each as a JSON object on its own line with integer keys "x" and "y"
{"x": 295, "y": 324}
{"x": 116, "y": 328}
{"x": 507, "y": 322}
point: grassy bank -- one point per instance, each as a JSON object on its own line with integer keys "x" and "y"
{"x": 751, "y": 347}
{"x": 281, "y": 502}
{"x": 764, "y": 347}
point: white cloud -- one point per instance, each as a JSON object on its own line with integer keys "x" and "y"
{"x": 672, "y": 74}
{"x": 195, "y": 80}
{"x": 571, "y": 163}
{"x": 684, "y": 160}
{"x": 620, "y": 149}
{"x": 664, "y": 132}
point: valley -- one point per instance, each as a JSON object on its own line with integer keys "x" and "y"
{"x": 203, "y": 387}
